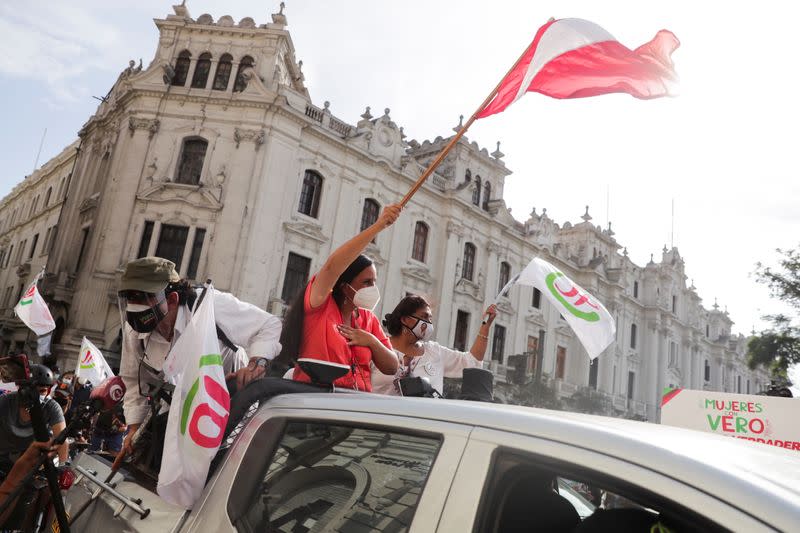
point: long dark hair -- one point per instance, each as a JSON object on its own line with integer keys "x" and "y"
{"x": 406, "y": 307}
{"x": 292, "y": 332}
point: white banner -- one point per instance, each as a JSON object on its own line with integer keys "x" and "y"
{"x": 769, "y": 420}
{"x": 587, "y": 317}
{"x": 92, "y": 366}
{"x": 199, "y": 411}
{"x": 33, "y": 311}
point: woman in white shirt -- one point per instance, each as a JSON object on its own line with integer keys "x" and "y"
{"x": 410, "y": 328}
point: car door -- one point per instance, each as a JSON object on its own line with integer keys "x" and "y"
{"x": 496, "y": 462}
{"x": 306, "y": 470}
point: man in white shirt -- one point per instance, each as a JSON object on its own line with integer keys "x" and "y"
{"x": 156, "y": 307}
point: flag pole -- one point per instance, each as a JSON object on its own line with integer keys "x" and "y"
{"x": 435, "y": 163}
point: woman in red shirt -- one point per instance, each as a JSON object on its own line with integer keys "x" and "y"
{"x": 332, "y": 319}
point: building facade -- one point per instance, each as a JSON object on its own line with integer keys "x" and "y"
{"x": 215, "y": 157}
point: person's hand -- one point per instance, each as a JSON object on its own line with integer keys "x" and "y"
{"x": 33, "y": 452}
{"x": 356, "y": 336}
{"x": 127, "y": 445}
{"x": 490, "y": 314}
{"x": 389, "y": 215}
{"x": 247, "y": 374}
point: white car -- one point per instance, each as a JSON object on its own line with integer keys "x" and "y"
{"x": 365, "y": 463}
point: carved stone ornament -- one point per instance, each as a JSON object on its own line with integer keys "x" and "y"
{"x": 311, "y": 231}
{"x": 471, "y": 289}
{"x": 89, "y": 203}
{"x": 418, "y": 273}
{"x": 505, "y": 307}
{"x": 149, "y": 124}
{"x": 254, "y": 136}
{"x": 455, "y": 228}
{"x": 494, "y": 247}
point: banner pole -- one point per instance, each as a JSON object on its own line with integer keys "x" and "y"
{"x": 435, "y": 163}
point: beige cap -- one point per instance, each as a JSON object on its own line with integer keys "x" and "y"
{"x": 148, "y": 274}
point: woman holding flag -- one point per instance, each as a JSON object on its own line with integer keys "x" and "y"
{"x": 411, "y": 328}
{"x": 332, "y": 319}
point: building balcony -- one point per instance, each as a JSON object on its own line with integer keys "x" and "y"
{"x": 324, "y": 117}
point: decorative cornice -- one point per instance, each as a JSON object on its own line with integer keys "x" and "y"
{"x": 164, "y": 192}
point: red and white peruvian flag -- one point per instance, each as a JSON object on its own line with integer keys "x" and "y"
{"x": 575, "y": 58}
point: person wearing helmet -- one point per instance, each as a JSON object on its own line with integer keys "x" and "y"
{"x": 16, "y": 429}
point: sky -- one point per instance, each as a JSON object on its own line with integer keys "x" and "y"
{"x": 722, "y": 151}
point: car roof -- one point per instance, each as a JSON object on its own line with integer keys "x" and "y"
{"x": 730, "y": 468}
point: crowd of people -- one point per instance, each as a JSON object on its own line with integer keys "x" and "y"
{"x": 59, "y": 397}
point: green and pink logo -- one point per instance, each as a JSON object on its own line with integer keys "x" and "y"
{"x": 28, "y": 298}
{"x": 87, "y": 361}
{"x": 580, "y": 300}
{"x": 190, "y": 418}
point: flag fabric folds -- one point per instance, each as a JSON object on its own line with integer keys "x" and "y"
{"x": 587, "y": 317}
{"x": 199, "y": 410}
{"x": 33, "y": 311}
{"x": 92, "y": 366}
{"x": 575, "y": 58}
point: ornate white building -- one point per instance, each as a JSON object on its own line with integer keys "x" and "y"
{"x": 215, "y": 156}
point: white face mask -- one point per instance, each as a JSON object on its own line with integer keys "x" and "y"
{"x": 42, "y": 399}
{"x": 423, "y": 330}
{"x": 367, "y": 298}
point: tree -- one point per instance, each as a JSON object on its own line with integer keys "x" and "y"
{"x": 778, "y": 347}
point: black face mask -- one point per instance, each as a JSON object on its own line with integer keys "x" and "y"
{"x": 145, "y": 321}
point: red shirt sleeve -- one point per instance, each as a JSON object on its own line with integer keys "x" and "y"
{"x": 307, "y": 299}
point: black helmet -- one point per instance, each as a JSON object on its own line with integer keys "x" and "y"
{"x": 41, "y": 376}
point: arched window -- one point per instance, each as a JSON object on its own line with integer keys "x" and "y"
{"x": 34, "y": 206}
{"x": 468, "y": 268}
{"x": 182, "y": 68}
{"x": 240, "y": 82}
{"x": 420, "y": 242}
{"x": 192, "y": 156}
{"x": 505, "y": 275}
{"x": 370, "y": 213}
{"x": 310, "y": 194}
{"x": 201, "y": 71}
{"x": 47, "y": 196}
{"x": 487, "y": 195}
{"x": 476, "y": 192}
{"x": 223, "y": 73}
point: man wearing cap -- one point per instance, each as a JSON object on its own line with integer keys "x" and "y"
{"x": 155, "y": 308}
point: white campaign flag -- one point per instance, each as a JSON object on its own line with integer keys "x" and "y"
{"x": 590, "y": 321}
{"x": 33, "y": 310}
{"x": 199, "y": 410}
{"x": 92, "y": 365}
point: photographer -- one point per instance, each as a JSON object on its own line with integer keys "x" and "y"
{"x": 16, "y": 430}
{"x": 27, "y": 461}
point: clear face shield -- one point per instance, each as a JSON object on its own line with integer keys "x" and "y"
{"x": 142, "y": 310}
